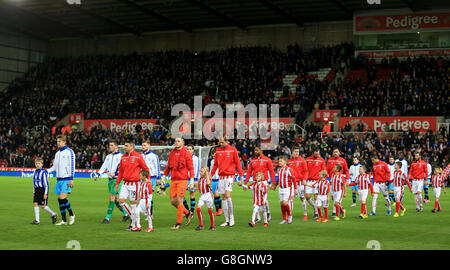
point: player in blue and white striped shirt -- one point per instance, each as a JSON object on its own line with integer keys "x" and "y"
{"x": 40, "y": 192}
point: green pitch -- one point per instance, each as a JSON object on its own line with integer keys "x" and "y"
{"x": 425, "y": 230}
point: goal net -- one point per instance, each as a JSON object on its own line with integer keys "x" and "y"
{"x": 163, "y": 153}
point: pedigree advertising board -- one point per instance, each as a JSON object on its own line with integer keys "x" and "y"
{"x": 386, "y": 124}
{"x": 407, "y": 22}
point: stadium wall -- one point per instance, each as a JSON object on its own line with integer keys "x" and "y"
{"x": 278, "y": 36}
{"x": 18, "y": 54}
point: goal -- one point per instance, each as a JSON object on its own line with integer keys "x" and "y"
{"x": 163, "y": 153}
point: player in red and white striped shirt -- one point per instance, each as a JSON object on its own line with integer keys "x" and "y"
{"x": 259, "y": 198}
{"x": 287, "y": 190}
{"x": 323, "y": 188}
{"x": 438, "y": 182}
{"x": 399, "y": 180}
{"x": 206, "y": 197}
{"x": 364, "y": 183}
{"x": 446, "y": 173}
{"x": 145, "y": 194}
{"x": 338, "y": 190}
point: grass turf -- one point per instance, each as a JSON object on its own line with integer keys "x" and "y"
{"x": 425, "y": 230}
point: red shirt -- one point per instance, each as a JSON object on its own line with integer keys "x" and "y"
{"x": 203, "y": 186}
{"x": 418, "y": 170}
{"x": 259, "y": 192}
{"x": 300, "y": 168}
{"x": 446, "y": 172}
{"x": 180, "y": 165}
{"x": 363, "y": 182}
{"x": 286, "y": 178}
{"x": 333, "y": 161}
{"x": 226, "y": 161}
{"x": 400, "y": 179}
{"x": 146, "y": 190}
{"x": 130, "y": 166}
{"x": 323, "y": 187}
{"x": 337, "y": 182}
{"x": 437, "y": 180}
{"x": 315, "y": 165}
{"x": 381, "y": 172}
{"x": 260, "y": 164}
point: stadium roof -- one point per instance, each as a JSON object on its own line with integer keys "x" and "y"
{"x": 50, "y": 19}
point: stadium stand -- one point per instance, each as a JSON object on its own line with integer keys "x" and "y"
{"x": 146, "y": 86}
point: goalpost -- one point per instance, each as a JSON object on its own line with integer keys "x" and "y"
{"x": 163, "y": 153}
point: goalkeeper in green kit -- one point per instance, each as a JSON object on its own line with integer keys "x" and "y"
{"x": 111, "y": 164}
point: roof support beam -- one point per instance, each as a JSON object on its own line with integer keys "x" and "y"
{"x": 282, "y": 12}
{"x": 157, "y": 15}
{"x": 23, "y": 31}
{"x": 341, "y": 6}
{"x": 410, "y": 5}
{"x": 101, "y": 18}
{"x": 218, "y": 14}
{"x": 39, "y": 19}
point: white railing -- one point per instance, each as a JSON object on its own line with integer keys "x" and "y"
{"x": 446, "y": 125}
{"x": 296, "y": 127}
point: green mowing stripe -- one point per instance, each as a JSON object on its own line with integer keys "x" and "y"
{"x": 89, "y": 200}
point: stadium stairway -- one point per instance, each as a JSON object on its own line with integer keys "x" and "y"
{"x": 292, "y": 81}
{"x": 321, "y": 74}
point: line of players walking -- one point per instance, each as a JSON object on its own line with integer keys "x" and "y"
{"x": 133, "y": 177}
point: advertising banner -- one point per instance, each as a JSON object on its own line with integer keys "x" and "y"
{"x": 407, "y": 22}
{"x": 79, "y": 173}
{"x": 75, "y": 118}
{"x": 324, "y": 115}
{"x": 117, "y": 125}
{"x": 396, "y": 124}
{"x": 405, "y": 53}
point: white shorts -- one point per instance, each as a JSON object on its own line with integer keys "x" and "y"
{"x": 300, "y": 190}
{"x": 437, "y": 192}
{"x": 259, "y": 208}
{"x": 417, "y": 186}
{"x": 337, "y": 196}
{"x": 322, "y": 200}
{"x": 207, "y": 199}
{"x": 285, "y": 193}
{"x": 225, "y": 184}
{"x": 380, "y": 188}
{"x": 363, "y": 193}
{"x": 142, "y": 207}
{"x": 310, "y": 190}
{"x": 398, "y": 192}
{"x": 130, "y": 190}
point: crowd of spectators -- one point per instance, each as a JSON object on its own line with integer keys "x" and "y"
{"x": 415, "y": 87}
{"x": 91, "y": 148}
{"x": 146, "y": 86}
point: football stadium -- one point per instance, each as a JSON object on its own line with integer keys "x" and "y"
{"x": 202, "y": 125}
